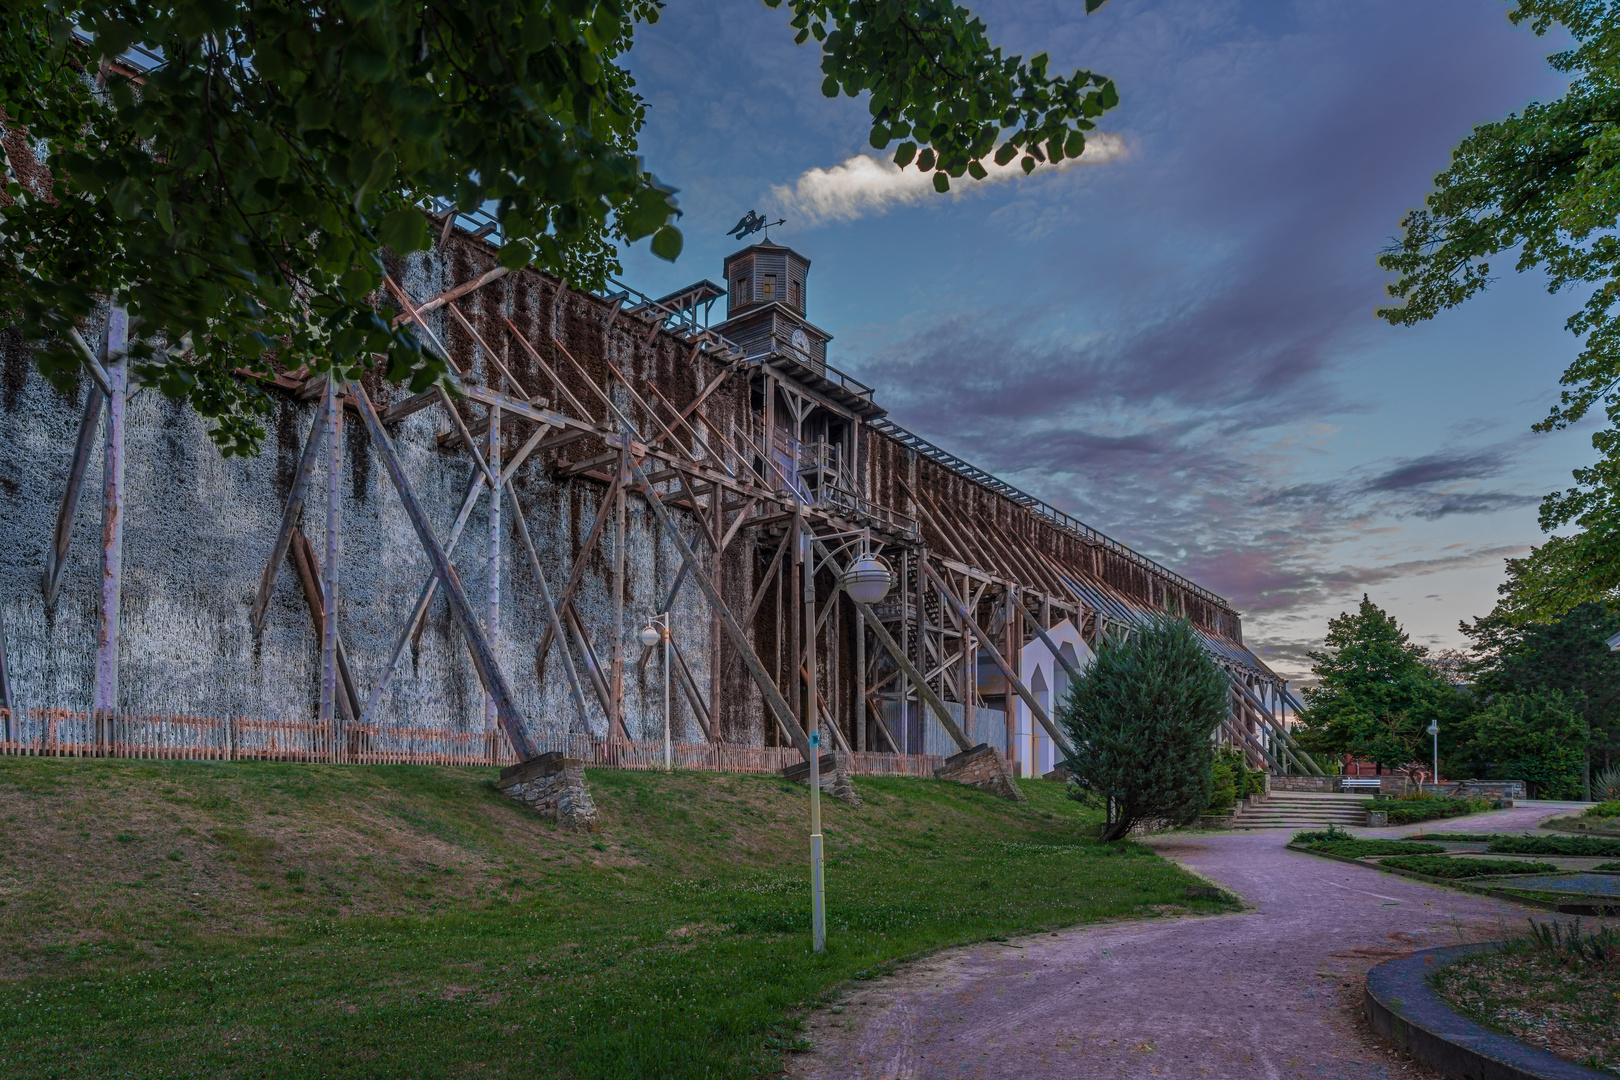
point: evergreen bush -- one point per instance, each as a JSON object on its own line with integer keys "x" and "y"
{"x": 1142, "y": 717}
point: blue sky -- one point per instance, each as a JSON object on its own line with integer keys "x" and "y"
{"x": 1174, "y": 340}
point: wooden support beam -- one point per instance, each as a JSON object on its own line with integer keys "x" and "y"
{"x": 489, "y": 671}
{"x": 329, "y": 577}
{"x": 455, "y": 292}
{"x": 475, "y": 487}
{"x": 7, "y": 702}
{"x": 926, "y": 692}
{"x": 62, "y": 536}
{"x": 112, "y": 517}
{"x": 308, "y": 569}
{"x": 413, "y": 404}
{"x": 553, "y": 622}
{"x": 694, "y": 696}
{"x": 773, "y": 697}
{"x": 575, "y": 575}
{"x": 986, "y": 641}
{"x": 562, "y": 388}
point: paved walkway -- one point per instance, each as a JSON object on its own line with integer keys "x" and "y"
{"x": 1274, "y": 992}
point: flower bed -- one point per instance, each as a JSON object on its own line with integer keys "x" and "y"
{"x": 1335, "y": 841}
{"x": 1444, "y": 866}
{"x": 1554, "y": 845}
{"x": 1604, "y": 809}
{"x": 1416, "y": 808}
{"x": 1556, "y": 990}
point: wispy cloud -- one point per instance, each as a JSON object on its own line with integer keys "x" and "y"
{"x": 865, "y": 184}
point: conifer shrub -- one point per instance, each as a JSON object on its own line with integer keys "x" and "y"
{"x": 1142, "y": 717}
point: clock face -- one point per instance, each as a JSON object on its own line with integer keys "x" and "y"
{"x": 801, "y": 340}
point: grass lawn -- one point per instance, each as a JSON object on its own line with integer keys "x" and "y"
{"x": 168, "y": 919}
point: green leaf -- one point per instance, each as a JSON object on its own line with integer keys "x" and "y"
{"x": 976, "y": 170}
{"x": 667, "y": 242}
{"x": 829, "y": 87}
{"x": 942, "y": 183}
{"x": 515, "y": 254}
{"x": 925, "y": 160}
{"x": 405, "y": 230}
{"x": 905, "y": 153}
{"x": 1075, "y": 144}
{"x": 880, "y": 136}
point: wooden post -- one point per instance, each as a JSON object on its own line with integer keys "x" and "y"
{"x": 493, "y": 457}
{"x": 905, "y": 648}
{"x": 329, "y": 572}
{"x": 112, "y": 517}
{"x": 6, "y": 701}
{"x": 484, "y": 660}
{"x": 860, "y": 681}
{"x": 739, "y": 639}
{"x": 617, "y": 676}
{"x": 62, "y": 538}
{"x": 552, "y": 619}
{"x": 790, "y": 671}
{"x": 1000, "y": 661}
{"x": 812, "y": 720}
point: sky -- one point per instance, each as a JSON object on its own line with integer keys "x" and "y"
{"x": 1173, "y": 339}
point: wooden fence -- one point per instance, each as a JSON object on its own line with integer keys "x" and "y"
{"x": 63, "y": 733}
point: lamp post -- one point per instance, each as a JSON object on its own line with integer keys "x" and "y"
{"x": 1434, "y": 733}
{"x": 867, "y": 581}
{"x": 656, "y": 630}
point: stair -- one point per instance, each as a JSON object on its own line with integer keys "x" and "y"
{"x": 1302, "y": 810}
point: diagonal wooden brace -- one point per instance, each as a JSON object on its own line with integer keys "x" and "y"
{"x": 62, "y": 539}
{"x": 489, "y": 669}
{"x": 289, "y": 520}
{"x": 1035, "y": 707}
{"x": 773, "y": 697}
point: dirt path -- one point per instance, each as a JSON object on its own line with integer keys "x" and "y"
{"x": 1274, "y": 992}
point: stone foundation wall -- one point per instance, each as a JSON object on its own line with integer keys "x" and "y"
{"x": 553, "y": 786}
{"x": 981, "y": 767}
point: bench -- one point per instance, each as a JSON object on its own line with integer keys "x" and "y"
{"x": 1361, "y": 783}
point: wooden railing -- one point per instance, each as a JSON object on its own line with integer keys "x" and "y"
{"x": 64, "y": 733}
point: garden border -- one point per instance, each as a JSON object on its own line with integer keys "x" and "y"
{"x": 1563, "y": 907}
{"x": 1402, "y": 1007}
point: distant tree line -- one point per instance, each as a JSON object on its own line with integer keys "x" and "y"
{"x": 1531, "y": 701}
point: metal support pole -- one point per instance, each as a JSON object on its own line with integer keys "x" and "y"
{"x": 112, "y": 517}
{"x": 818, "y": 903}
{"x": 669, "y": 759}
{"x": 329, "y": 572}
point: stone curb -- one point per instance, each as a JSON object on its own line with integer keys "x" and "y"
{"x": 1402, "y": 1007}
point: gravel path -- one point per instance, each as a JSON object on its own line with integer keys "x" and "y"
{"x": 1273, "y": 992}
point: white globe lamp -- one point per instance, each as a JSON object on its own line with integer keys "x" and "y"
{"x": 867, "y": 580}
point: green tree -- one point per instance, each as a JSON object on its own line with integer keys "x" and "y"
{"x": 1538, "y": 737}
{"x": 1541, "y": 184}
{"x": 238, "y": 197}
{"x": 1568, "y": 655}
{"x": 1141, "y": 718}
{"x": 1374, "y": 696}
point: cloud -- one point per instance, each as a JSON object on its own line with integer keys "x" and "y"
{"x": 865, "y": 184}
{"x": 1437, "y": 468}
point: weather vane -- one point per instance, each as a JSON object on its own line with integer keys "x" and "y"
{"x": 752, "y": 223}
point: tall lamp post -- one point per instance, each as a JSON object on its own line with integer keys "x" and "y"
{"x": 1434, "y": 733}
{"x": 866, "y": 579}
{"x": 656, "y": 630}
